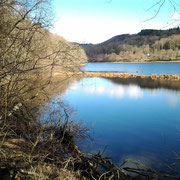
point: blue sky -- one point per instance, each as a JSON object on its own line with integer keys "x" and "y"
{"x": 94, "y": 21}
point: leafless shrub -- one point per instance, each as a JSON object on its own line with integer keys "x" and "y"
{"x": 29, "y": 55}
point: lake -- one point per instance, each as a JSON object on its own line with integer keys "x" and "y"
{"x": 136, "y": 68}
{"x": 128, "y": 119}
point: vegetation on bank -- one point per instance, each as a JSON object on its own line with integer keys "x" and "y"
{"x": 30, "y": 57}
{"x": 148, "y": 45}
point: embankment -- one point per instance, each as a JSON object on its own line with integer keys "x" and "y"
{"x": 173, "y": 77}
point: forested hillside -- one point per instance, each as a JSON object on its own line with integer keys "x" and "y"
{"x": 147, "y": 45}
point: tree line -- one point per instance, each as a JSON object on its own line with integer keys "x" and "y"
{"x": 147, "y": 45}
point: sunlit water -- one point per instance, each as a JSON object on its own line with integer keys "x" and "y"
{"x": 128, "y": 119}
{"x": 136, "y": 68}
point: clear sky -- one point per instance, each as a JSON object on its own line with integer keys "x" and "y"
{"x": 94, "y": 21}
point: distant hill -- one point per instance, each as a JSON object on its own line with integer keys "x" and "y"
{"x": 146, "y": 45}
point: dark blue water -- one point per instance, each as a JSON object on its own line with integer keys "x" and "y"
{"x": 132, "y": 119}
{"x": 128, "y": 121}
{"x": 136, "y": 68}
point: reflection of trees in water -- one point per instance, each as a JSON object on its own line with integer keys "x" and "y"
{"x": 148, "y": 83}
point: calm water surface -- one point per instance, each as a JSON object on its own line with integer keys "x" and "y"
{"x": 136, "y": 68}
{"x": 127, "y": 120}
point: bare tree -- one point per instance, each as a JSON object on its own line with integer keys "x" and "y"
{"x": 27, "y": 49}
{"x": 29, "y": 54}
{"x": 157, "y": 7}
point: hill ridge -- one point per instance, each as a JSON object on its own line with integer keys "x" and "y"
{"x": 147, "y": 40}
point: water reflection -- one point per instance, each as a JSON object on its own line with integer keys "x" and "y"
{"x": 129, "y": 88}
{"x": 132, "y": 118}
{"x": 119, "y": 91}
{"x": 148, "y": 83}
{"x": 155, "y": 86}
{"x": 173, "y": 100}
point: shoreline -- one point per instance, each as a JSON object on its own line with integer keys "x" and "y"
{"x": 151, "y": 61}
{"x": 172, "y": 77}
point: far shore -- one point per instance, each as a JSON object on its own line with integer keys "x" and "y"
{"x": 150, "y": 61}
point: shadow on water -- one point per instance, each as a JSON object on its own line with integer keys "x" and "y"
{"x": 148, "y": 83}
